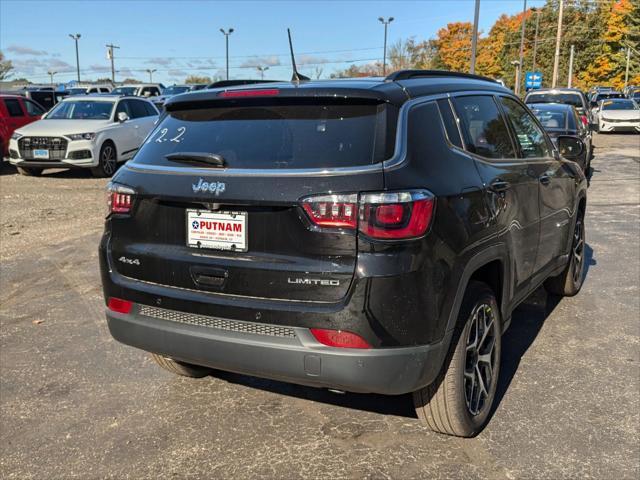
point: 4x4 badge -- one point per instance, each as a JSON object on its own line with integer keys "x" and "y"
{"x": 213, "y": 187}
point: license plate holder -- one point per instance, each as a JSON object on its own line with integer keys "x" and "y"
{"x": 222, "y": 230}
{"x": 41, "y": 154}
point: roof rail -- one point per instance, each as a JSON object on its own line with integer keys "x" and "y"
{"x": 407, "y": 74}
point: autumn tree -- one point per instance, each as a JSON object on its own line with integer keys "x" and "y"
{"x": 5, "y": 67}
{"x": 191, "y": 79}
{"x": 453, "y": 47}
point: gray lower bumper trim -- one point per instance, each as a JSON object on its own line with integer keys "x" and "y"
{"x": 299, "y": 359}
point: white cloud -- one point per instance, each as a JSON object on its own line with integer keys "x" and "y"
{"x": 268, "y": 61}
{"x": 21, "y": 50}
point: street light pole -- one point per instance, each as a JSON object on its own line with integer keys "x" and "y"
{"x": 521, "y": 57}
{"x": 556, "y": 58}
{"x": 150, "y": 72}
{"x": 226, "y": 36}
{"x": 570, "y": 80}
{"x": 51, "y": 74}
{"x": 384, "y": 56}
{"x": 535, "y": 38}
{"x": 626, "y": 73}
{"x": 262, "y": 69}
{"x": 76, "y": 37}
{"x": 474, "y": 39}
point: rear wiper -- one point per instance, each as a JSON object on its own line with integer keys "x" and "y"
{"x": 202, "y": 157}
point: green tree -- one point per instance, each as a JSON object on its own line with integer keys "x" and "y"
{"x": 197, "y": 79}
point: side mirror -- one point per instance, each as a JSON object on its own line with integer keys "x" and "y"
{"x": 570, "y": 147}
{"x": 122, "y": 117}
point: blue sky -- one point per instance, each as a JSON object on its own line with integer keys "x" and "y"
{"x": 179, "y": 38}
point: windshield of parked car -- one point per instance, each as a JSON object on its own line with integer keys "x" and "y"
{"x": 565, "y": 98}
{"x": 81, "y": 110}
{"x": 77, "y": 91}
{"x": 124, "y": 91}
{"x": 604, "y": 96}
{"x": 551, "y": 118}
{"x": 619, "y": 105}
{"x": 174, "y": 90}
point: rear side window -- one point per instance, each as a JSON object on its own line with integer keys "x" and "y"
{"x": 151, "y": 110}
{"x": 533, "y": 143}
{"x": 450, "y": 123}
{"x": 267, "y": 134}
{"x": 33, "y": 109}
{"x": 138, "y": 109}
{"x": 13, "y": 107}
{"x": 483, "y": 128}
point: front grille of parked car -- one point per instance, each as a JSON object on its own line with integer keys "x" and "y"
{"x": 621, "y": 120}
{"x": 216, "y": 322}
{"x": 80, "y": 154}
{"x": 57, "y": 147}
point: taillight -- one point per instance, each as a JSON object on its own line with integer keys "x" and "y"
{"x": 119, "y": 198}
{"x": 119, "y": 306}
{"x": 384, "y": 215}
{"x": 262, "y": 92}
{"x": 333, "y": 211}
{"x": 584, "y": 120}
{"x": 339, "y": 338}
{"x": 395, "y": 215}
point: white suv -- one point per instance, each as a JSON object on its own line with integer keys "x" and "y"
{"x": 89, "y": 131}
{"x": 139, "y": 90}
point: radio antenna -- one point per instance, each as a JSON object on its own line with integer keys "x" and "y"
{"x": 296, "y": 77}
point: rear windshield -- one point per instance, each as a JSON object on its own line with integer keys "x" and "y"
{"x": 566, "y": 98}
{"x": 273, "y": 136}
{"x": 551, "y": 118}
{"x": 619, "y": 105}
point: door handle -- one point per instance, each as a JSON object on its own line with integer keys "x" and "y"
{"x": 499, "y": 186}
{"x": 545, "y": 179}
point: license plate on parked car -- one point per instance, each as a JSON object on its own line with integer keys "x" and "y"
{"x": 217, "y": 230}
{"x": 41, "y": 154}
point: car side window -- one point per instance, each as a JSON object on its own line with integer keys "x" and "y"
{"x": 530, "y": 137}
{"x": 13, "y": 107}
{"x": 483, "y": 127}
{"x": 104, "y": 90}
{"x": 152, "y": 91}
{"x": 123, "y": 106}
{"x": 33, "y": 109}
{"x": 450, "y": 123}
{"x": 151, "y": 111}
{"x": 137, "y": 109}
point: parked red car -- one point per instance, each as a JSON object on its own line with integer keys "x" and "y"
{"x": 15, "y": 112}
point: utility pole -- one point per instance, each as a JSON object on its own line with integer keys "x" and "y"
{"x": 626, "y": 72}
{"x": 150, "y": 72}
{"x": 262, "y": 69}
{"x": 474, "y": 39}
{"x": 384, "y": 55}
{"x": 51, "y": 74}
{"x": 556, "y": 58}
{"x": 535, "y": 38}
{"x": 226, "y": 36}
{"x": 110, "y": 55}
{"x": 76, "y": 37}
{"x": 570, "y": 80}
{"x": 521, "y": 57}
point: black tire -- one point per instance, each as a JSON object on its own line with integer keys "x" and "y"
{"x": 107, "y": 161}
{"x": 29, "y": 172}
{"x": 181, "y": 368}
{"x": 452, "y": 405}
{"x": 570, "y": 281}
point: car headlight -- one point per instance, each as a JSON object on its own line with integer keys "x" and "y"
{"x": 82, "y": 136}
{"x": 15, "y": 135}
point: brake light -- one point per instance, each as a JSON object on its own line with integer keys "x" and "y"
{"x": 584, "y": 120}
{"x": 339, "y": 338}
{"x": 263, "y": 92}
{"x": 336, "y": 211}
{"x": 119, "y": 199}
{"x": 395, "y": 215}
{"x": 384, "y": 215}
{"x": 119, "y": 306}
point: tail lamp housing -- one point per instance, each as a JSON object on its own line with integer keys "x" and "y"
{"x": 119, "y": 199}
{"x": 382, "y": 215}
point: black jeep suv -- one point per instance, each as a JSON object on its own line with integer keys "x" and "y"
{"x": 368, "y": 235}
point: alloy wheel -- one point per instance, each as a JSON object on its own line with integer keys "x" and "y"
{"x": 577, "y": 250}
{"x": 108, "y": 160}
{"x": 481, "y": 358}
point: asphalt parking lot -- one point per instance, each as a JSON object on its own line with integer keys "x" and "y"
{"x": 76, "y": 404}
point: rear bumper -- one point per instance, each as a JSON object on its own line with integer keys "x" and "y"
{"x": 295, "y": 358}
